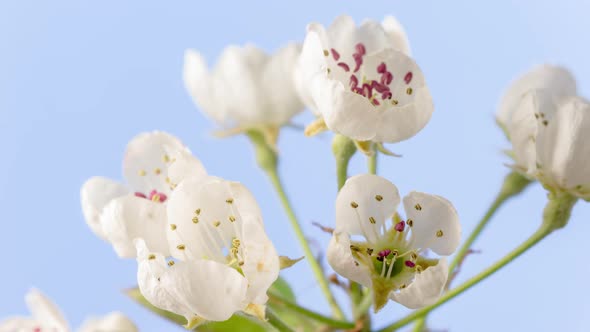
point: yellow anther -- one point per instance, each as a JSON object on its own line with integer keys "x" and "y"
{"x": 195, "y": 220}
{"x": 410, "y": 222}
{"x": 229, "y": 201}
{"x": 170, "y": 263}
{"x": 394, "y": 102}
{"x": 151, "y": 257}
{"x": 141, "y": 172}
{"x": 232, "y": 218}
{"x": 354, "y": 204}
{"x": 198, "y": 211}
{"x": 439, "y": 233}
{"x": 157, "y": 171}
{"x": 173, "y": 227}
{"x": 418, "y": 207}
{"x": 409, "y": 91}
{"x": 181, "y": 247}
{"x": 326, "y": 53}
{"x": 168, "y": 179}
{"x": 156, "y": 198}
{"x": 166, "y": 158}
{"x": 372, "y": 220}
{"x": 379, "y": 198}
{"x": 217, "y": 223}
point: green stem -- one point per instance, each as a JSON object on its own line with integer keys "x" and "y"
{"x": 372, "y": 163}
{"x": 364, "y": 304}
{"x": 311, "y": 314}
{"x": 276, "y": 322}
{"x": 514, "y": 184}
{"x": 556, "y": 213}
{"x": 420, "y": 325}
{"x": 313, "y": 262}
{"x": 343, "y": 149}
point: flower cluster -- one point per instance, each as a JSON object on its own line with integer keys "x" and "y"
{"x": 46, "y": 317}
{"x": 184, "y": 227}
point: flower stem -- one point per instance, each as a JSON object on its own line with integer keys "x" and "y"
{"x": 420, "y": 325}
{"x": 311, "y": 314}
{"x": 372, "y": 163}
{"x": 276, "y": 322}
{"x": 267, "y": 159}
{"x": 514, "y": 184}
{"x": 556, "y": 213}
{"x": 313, "y": 262}
{"x": 343, "y": 149}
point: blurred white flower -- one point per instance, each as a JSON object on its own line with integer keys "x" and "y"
{"x": 361, "y": 82}
{"x": 558, "y": 82}
{"x": 119, "y": 213}
{"x": 223, "y": 261}
{"x": 390, "y": 256}
{"x": 46, "y": 317}
{"x": 549, "y": 128}
{"x": 247, "y": 89}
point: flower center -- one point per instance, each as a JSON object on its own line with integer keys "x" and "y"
{"x": 378, "y": 89}
{"x": 154, "y": 196}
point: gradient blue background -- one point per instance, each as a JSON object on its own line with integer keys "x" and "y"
{"x": 78, "y": 79}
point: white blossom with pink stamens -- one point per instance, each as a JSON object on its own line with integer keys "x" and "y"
{"x": 361, "y": 81}
{"x": 154, "y": 163}
{"x": 390, "y": 257}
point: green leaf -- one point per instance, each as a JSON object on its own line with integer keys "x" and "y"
{"x": 282, "y": 289}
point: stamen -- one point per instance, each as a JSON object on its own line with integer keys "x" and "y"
{"x": 382, "y": 68}
{"x": 142, "y": 172}
{"x": 344, "y": 66}
{"x": 217, "y": 223}
{"x": 418, "y": 207}
{"x": 181, "y": 247}
{"x": 326, "y": 53}
{"x": 138, "y": 194}
{"x": 354, "y": 205}
{"x": 157, "y": 171}
{"x": 335, "y": 54}
{"x": 410, "y": 222}
{"x": 360, "y": 48}
{"x": 409, "y": 91}
{"x": 172, "y": 227}
{"x": 195, "y": 220}
{"x": 410, "y": 264}
{"x": 170, "y": 263}
{"x": 232, "y": 218}
{"x": 354, "y": 81}
{"x": 229, "y": 201}
{"x": 439, "y": 233}
{"x": 372, "y": 220}
{"x": 166, "y": 158}
{"x": 198, "y": 212}
{"x": 408, "y": 77}
{"x": 151, "y": 257}
{"x": 400, "y": 226}
{"x": 379, "y": 198}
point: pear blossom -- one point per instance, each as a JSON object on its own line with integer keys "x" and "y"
{"x": 222, "y": 260}
{"x": 46, "y": 317}
{"x": 247, "y": 89}
{"x": 374, "y": 247}
{"x": 120, "y": 213}
{"x": 361, "y": 82}
{"x": 549, "y": 128}
{"x": 554, "y": 80}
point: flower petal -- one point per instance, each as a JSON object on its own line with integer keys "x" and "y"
{"x": 426, "y": 287}
{"x": 95, "y": 193}
{"x": 202, "y": 288}
{"x": 435, "y": 222}
{"x": 363, "y": 205}
{"x": 261, "y": 261}
{"x": 43, "y": 310}
{"x": 522, "y": 128}
{"x": 341, "y": 260}
{"x": 127, "y": 218}
{"x": 397, "y": 34}
{"x": 184, "y": 165}
{"x": 200, "y": 85}
{"x": 113, "y": 322}
{"x": 23, "y": 324}
{"x": 205, "y": 215}
{"x": 558, "y": 81}
{"x": 562, "y": 145}
{"x": 147, "y": 159}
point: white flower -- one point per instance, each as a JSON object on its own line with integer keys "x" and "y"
{"x": 223, "y": 260}
{"x": 362, "y": 82}
{"x": 549, "y": 128}
{"x": 390, "y": 257}
{"x": 119, "y": 213}
{"x": 556, "y": 81}
{"x": 46, "y": 317}
{"x": 247, "y": 89}
{"x": 113, "y": 322}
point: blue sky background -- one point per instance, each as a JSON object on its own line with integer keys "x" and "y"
{"x": 78, "y": 79}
